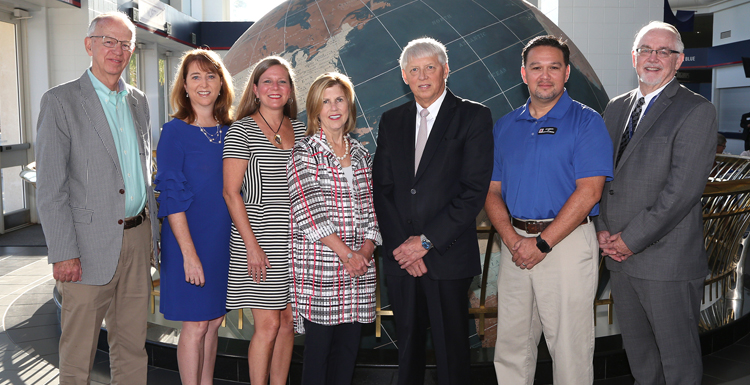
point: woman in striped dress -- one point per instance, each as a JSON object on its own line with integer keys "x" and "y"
{"x": 334, "y": 233}
{"x": 255, "y": 153}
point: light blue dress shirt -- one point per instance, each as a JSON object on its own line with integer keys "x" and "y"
{"x": 117, "y": 110}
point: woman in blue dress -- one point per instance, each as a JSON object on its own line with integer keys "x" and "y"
{"x": 195, "y": 236}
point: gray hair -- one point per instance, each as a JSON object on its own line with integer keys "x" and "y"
{"x": 112, "y": 15}
{"x": 423, "y": 47}
{"x": 679, "y": 46}
{"x": 721, "y": 139}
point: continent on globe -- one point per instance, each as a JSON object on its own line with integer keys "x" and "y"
{"x": 363, "y": 39}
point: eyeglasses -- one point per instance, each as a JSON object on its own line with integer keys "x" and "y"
{"x": 661, "y": 53}
{"x": 111, "y": 42}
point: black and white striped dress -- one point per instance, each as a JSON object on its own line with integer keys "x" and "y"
{"x": 266, "y": 196}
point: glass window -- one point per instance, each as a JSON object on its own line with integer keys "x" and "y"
{"x": 163, "y": 92}
{"x": 132, "y": 72}
{"x": 732, "y": 104}
{"x": 10, "y": 110}
{"x": 11, "y": 132}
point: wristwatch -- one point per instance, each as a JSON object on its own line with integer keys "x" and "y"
{"x": 425, "y": 242}
{"x": 542, "y": 245}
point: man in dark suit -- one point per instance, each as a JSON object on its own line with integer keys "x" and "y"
{"x": 431, "y": 173}
{"x": 651, "y": 225}
{"x": 552, "y": 156}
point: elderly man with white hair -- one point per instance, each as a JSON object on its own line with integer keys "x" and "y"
{"x": 651, "y": 224}
{"x": 430, "y": 177}
{"x": 94, "y": 192}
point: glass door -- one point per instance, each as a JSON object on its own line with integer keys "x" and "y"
{"x": 14, "y": 148}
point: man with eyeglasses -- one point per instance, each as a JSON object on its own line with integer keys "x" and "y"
{"x": 93, "y": 192}
{"x": 650, "y": 223}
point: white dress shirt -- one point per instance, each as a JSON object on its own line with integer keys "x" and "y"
{"x": 434, "y": 108}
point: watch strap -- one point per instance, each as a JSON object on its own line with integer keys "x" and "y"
{"x": 426, "y": 244}
{"x": 542, "y": 245}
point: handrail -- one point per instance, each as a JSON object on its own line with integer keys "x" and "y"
{"x": 726, "y": 214}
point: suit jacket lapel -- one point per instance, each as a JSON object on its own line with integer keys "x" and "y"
{"x": 620, "y": 120}
{"x": 141, "y": 131}
{"x": 442, "y": 121}
{"x": 94, "y": 111}
{"x": 647, "y": 122}
{"x": 409, "y": 138}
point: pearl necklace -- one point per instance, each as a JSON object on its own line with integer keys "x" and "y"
{"x": 346, "y": 146}
{"x": 215, "y": 138}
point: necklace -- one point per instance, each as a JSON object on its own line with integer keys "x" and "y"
{"x": 276, "y": 137}
{"x": 215, "y": 138}
{"x": 346, "y": 146}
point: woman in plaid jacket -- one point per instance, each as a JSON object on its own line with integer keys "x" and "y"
{"x": 334, "y": 233}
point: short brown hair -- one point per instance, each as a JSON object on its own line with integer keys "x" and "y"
{"x": 249, "y": 104}
{"x": 315, "y": 101}
{"x": 207, "y": 61}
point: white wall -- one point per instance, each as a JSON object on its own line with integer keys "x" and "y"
{"x": 67, "y": 54}
{"x": 215, "y": 10}
{"x": 734, "y": 19}
{"x": 604, "y": 30}
{"x": 39, "y": 72}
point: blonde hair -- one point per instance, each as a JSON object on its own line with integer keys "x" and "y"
{"x": 314, "y": 102}
{"x": 207, "y": 61}
{"x": 249, "y": 103}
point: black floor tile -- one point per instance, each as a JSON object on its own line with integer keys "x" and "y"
{"x": 100, "y": 371}
{"x": 19, "y": 336}
{"x": 42, "y": 347}
{"x": 710, "y": 380}
{"x": 226, "y": 369}
{"x": 724, "y": 369}
{"x": 739, "y": 353}
{"x": 370, "y": 376}
{"x": 744, "y": 340}
{"x": 623, "y": 380}
{"x": 25, "y": 321}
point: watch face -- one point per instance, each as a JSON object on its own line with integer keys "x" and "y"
{"x": 542, "y": 245}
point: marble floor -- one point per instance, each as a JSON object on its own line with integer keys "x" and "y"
{"x": 29, "y": 334}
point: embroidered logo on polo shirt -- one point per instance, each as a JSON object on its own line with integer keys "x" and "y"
{"x": 547, "y": 130}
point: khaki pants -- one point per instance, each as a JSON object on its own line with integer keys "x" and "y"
{"x": 556, "y": 296}
{"x": 123, "y": 303}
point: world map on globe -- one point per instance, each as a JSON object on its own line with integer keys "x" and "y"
{"x": 364, "y": 39}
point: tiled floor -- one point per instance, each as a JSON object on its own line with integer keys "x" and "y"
{"x": 29, "y": 334}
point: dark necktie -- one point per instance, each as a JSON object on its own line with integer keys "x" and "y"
{"x": 630, "y": 129}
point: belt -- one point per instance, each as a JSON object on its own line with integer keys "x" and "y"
{"x": 536, "y": 227}
{"x": 136, "y": 220}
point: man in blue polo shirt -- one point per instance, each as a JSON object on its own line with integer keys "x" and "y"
{"x": 552, "y": 157}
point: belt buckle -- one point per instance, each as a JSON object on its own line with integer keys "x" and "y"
{"x": 532, "y": 227}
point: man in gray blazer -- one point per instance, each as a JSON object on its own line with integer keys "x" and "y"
{"x": 93, "y": 187}
{"x": 650, "y": 225}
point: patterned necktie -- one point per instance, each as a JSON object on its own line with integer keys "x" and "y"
{"x": 421, "y": 138}
{"x": 630, "y": 129}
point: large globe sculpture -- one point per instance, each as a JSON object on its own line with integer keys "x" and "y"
{"x": 364, "y": 38}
